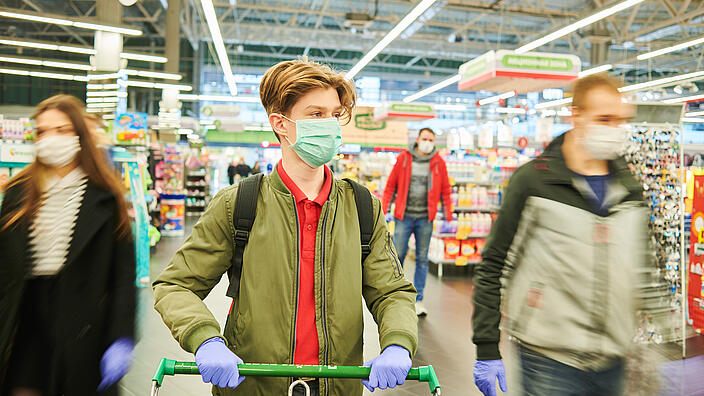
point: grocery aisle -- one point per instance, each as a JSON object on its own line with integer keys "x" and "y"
{"x": 444, "y": 338}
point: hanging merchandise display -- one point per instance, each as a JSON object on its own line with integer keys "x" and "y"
{"x": 654, "y": 155}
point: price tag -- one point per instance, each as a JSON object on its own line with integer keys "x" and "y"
{"x": 461, "y": 261}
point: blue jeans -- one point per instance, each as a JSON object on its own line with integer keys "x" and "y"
{"x": 423, "y": 230}
{"x": 542, "y": 376}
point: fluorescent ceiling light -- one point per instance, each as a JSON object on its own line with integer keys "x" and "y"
{"x": 153, "y": 74}
{"x": 112, "y": 99}
{"x": 553, "y": 103}
{"x": 510, "y": 110}
{"x": 219, "y": 98}
{"x": 66, "y": 21}
{"x": 432, "y": 88}
{"x": 102, "y": 86}
{"x": 684, "y": 99}
{"x": 595, "y": 70}
{"x": 119, "y": 94}
{"x": 212, "y": 19}
{"x": 104, "y": 76}
{"x": 661, "y": 81}
{"x": 673, "y": 48}
{"x": 699, "y": 120}
{"x": 390, "y": 36}
{"x": 451, "y": 107}
{"x": 605, "y": 13}
{"x": 17, "y": 42}
{"x": 101, "y": 105}
{"x": 30, "y": 73}
{"x": 494, "y": 99}
{"x": 39, "y": 62}
{"x": 694, "y": 114}
{"x": 144, "y": 57}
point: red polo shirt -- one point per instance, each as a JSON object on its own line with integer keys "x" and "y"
{"x": 307, "y": 346}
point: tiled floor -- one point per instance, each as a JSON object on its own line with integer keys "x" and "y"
{"x": 445, "y": 341}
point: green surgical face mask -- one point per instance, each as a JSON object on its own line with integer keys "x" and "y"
{"x": 317, "y": 140}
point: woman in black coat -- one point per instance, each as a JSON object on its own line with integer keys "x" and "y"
{"x": 67, "y": 267}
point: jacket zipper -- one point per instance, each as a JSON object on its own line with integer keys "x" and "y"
{"x": 298, "y": 282}
{"x": 322, "y": 286}
{"x": 393, "y": 255}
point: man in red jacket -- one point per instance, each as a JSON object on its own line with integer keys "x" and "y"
{"x": 417, "y": 182}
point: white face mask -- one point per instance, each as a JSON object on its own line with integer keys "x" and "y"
{"x": 604, "y": 142}
{"x": 426, "y": 147}
{"x": 57, "y": 151}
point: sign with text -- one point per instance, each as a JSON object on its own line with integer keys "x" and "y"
{"x": 365, "y": 130}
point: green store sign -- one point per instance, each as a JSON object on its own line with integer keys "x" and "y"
{"x": 536, "y": 62}
{"x": 473, "y": 68}
{"x": 368, "y": 123}
{"x": 411, "y": 108}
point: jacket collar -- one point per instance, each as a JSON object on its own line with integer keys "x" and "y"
{"x": 278, "y": 184}
{"x": 95, "y": 211}
{"x": 620, "y": 185}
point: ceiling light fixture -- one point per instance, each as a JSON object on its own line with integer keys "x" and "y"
{"x": 65, "y": 21}
{"x": 698, "y": 120}
{"x": 219, "y": 98}
{"x": 694, "y": 114}
{"x": 673, "y": 48}
{"x": 119, "y": 94}
{"x": 30, "y": 73}
{"x": 212, "y": 20}
{"x": 605, "y": 13}
{"x": 153, "y": 74}
{"x": 17, "y": 42}
{"x": 417, "y": 11}
{"x": 40, "y": 62}
{"x": 510, "y": 110}
{"x": 494, "y": 99}
{"x": 661, "y": 81}
{"x": 432, "y": 88}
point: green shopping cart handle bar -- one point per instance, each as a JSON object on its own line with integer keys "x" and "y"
{"x": 173, "y": 367}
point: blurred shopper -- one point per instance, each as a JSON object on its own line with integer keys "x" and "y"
{"x": 231, "y": 172}
{"x": 571, "y": 241}
{"x": 243, "y": 169}
{"x": 67, "y": 270}
{"x": 417, "y": 183}
{"x": 302, "y": 280}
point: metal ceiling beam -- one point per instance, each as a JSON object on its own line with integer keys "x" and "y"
{"x": 651, "y": 27}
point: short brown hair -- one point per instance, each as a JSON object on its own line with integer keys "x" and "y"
{"x": 581, "y": 88}
{"x": 284, "y": 83}
{"x": 426, "y": 129}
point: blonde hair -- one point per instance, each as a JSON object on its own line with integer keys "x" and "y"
{"x": 285, "y": 83}
{"x": 583, "y": 86}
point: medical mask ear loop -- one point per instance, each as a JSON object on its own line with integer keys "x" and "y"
{"x": 286, "y": 137}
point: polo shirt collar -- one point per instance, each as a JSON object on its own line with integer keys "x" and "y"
{"x": 298, "y": 194}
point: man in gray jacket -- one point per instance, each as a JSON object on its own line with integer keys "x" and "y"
{"x": 568, "y": 247}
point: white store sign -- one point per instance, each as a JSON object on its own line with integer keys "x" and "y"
{"x": 12, "y": 152}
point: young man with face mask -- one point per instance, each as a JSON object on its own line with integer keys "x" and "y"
{"x": 303, "y": 279}
{"x": 417, "y": 183}
{"x": 569, "y": 247}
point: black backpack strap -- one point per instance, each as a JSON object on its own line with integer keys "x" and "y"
{"x": 365, "y": 213}
{"x": 243, "y": 219}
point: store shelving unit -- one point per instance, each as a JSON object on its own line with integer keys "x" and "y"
{"x": 197, "y": 187}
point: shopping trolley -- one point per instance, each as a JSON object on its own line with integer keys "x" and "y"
{"x": 172, "y": 367}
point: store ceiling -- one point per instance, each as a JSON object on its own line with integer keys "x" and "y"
{"x": 259, "y": 33}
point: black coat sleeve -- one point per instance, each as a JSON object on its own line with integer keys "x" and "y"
{"x": 124, "y": 291}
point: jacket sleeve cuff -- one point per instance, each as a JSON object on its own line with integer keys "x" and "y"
{"x": 401, "y": 339}
{"x": 488, "y": 352}
{"x": 198, "y": 335}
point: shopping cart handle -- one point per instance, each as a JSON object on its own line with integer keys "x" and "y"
{"x": 172, "y": 367}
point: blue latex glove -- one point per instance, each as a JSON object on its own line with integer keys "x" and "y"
{"x": 388, "y": 369}
{"x": 217, "y": 364}
{"x": 389, "y": 217}
{"x": 116, "y": 361}
{"x": 486, "y": 373}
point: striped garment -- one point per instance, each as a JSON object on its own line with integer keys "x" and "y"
{"x": 52, "y": 230}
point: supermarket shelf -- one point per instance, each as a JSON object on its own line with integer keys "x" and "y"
{"x": 196, "y": 185}
{"x": 481, "y": 210}
{"x": 196, "y": 195}
{"x": 452, "y": 235}
{"x": 195, "y": 213}
{"x": 441, "y": 263}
